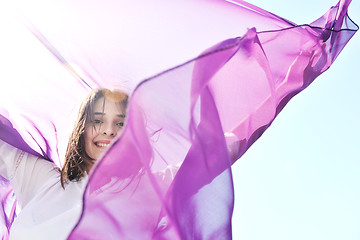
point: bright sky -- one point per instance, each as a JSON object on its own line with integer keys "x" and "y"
{"x": 301, "y": 179}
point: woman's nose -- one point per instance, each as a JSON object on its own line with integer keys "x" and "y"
{"x": 108, "y": 130}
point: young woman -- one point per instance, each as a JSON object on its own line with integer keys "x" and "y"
{"x": 50, "y": 199}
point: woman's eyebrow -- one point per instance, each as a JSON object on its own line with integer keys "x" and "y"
{"x": 102, "y": 114}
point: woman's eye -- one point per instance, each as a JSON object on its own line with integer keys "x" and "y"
{"x": 120, "y": 124}
{"x": 97, "y": 121}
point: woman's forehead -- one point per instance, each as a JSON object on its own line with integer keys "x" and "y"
{"x": 104, "y": 105}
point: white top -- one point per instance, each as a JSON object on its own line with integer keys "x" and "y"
{"x": 48, "y": 210}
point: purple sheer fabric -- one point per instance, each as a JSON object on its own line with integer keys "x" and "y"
{"x": 168, "y": 176}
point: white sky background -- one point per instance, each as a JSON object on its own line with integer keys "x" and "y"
{"x": 301, "y": 179}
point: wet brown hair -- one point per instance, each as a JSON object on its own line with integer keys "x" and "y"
{"x": 77, "y": 161}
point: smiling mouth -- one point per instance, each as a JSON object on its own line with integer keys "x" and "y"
{"x": 102, "y": 145}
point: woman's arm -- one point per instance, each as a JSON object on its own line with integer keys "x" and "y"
{"x": 26, "y": 172}
{"x": 10, "y": 158}
{"x": 234, "y": 146}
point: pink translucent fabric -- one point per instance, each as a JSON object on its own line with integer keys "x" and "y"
{"x": 168, "y": 176}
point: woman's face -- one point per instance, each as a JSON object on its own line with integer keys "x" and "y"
{"x": 108, "y": 120}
